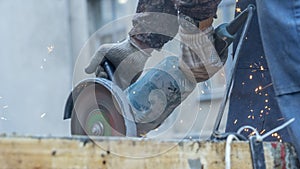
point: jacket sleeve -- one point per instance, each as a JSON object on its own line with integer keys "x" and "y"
{"x": 198, "y": 9}
{"x": 155, "y": 22}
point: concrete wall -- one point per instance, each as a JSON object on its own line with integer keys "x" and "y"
{"x": 35, "y": 66}
{"x": 40, "y": 43}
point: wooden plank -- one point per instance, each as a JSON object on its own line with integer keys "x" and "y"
{"x": 115, "y": 153}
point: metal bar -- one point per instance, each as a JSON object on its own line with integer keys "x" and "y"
{"x": 230, "y": 83}
{"x": 109, "y": 69}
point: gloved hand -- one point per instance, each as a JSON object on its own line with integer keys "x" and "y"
{"x": 126, "y": 57}
{"x": 199, "y": 53}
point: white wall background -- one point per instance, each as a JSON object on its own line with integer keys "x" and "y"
{"x": 35, "y": 66}
{"x": 40, "y": 42}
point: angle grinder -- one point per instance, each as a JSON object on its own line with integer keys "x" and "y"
{"x": 98, "y": 107}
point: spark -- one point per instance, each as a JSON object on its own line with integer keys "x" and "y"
{"x": 262, "y": 68}
{"x": 280, "y": 119}
{"x": 269, "y": 108}
{"x": 262, "y": 111}
{"x": 249, "y": 116}
{"x": 181, "y": 121}
{"x": 253, "y": 71}
{"x": 243, "y": 83}
{"x": 3, "y": 118}
{"x": 235, "y": 121}
{"x": 252, "y": 133}
{"x": 133, "y": 92}
{"x": 268, "y": 85}
{"x": 42, "y": 67}
{"x": 45, "y": 60}
{"x": 156, "y": 129}
{"x": 50, "y": 48}
{"x": 266, "y": 100}
{"x": 5, "y": 107}
{"x": 43, "y": 115}
{"x": 174, "y": 67}
{"x": 251, "y": 110}
{"x": 262, "y": 132}
{"x": 250, "y": 77}
{"x": 251, "y": 66}
{"x": 246, "y": 37}
{"x": 200, "y": 108}
{"x": 262, "y": 88}
{"x": 202, "y": 91}
{"x": 238, "y": 10}
{"x": 1, "y": 97}
{"x": 253, "y": 117}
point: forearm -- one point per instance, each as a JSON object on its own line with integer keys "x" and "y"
{"x": 155, "y": 22}
{"x": 198, "y": 9}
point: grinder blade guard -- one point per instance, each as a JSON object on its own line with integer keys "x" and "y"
{"x": 98, "y": 107}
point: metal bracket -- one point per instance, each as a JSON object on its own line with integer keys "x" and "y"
{"x": 257, "y": 153}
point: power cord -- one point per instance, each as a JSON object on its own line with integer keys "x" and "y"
{"x": 259, "y": 137}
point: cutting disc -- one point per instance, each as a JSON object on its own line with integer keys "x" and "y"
{"x": 100, "y": 108}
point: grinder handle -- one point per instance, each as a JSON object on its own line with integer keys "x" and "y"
{"x": 109, "y": 69}
{"x": 239, "y": 21}
{"x": 226, "y": 33}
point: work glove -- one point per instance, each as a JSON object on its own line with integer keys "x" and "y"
{"x": 126, "y": 57}
{"x": 199, "y": 53}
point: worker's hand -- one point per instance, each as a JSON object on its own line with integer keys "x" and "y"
{"x": 199, "y": 53}
{"x": 126, "y": 57}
